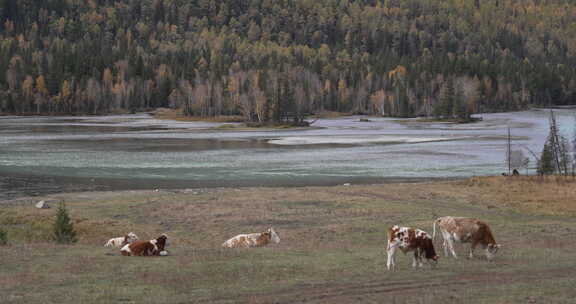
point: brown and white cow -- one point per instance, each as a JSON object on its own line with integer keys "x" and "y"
{"x": 252, "y": 239}
{"x": 122, "y": 241}
{"x": 466, "y": 230}
{"x": 146, "y": 248}
{"x": 410, "y": 239}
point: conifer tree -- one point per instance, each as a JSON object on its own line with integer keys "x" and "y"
{"x": 3, "y": 237}
{"x": 546, "y": 163}
{"x": 63, "y": 228}
{"x": 460, "y": 110}
{"x": 558, "y": 146}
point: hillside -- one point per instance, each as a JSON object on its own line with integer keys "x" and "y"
{"x": 268, "y": 60}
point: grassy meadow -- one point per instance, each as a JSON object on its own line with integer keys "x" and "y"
{"x": 331, "y": 249}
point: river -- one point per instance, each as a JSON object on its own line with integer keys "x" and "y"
{"x": 40, "y": 155}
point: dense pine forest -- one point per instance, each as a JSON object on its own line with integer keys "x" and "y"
{"x": 268, "y": 60}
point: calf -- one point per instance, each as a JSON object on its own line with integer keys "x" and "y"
{"x": 409, "y": 239}
{"x": 122, "y": 241}
{"x": 466, "y": 230}
{"x": 252, "y": 239}
{"x": 145, "y": 248}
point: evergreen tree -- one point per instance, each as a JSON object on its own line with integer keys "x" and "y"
{"x": 446, "y": 107}
{"x": 3, "y": 237}
{"x": 546, "y": 162}
{"x": 558, "y": 146}
{"x": 404, "y": 106}
{"x": 459, "y": 108}
{"x": 63, "y": 228}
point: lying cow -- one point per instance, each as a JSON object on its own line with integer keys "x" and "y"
{"x": 146, "y": 248}
{"x": 122, "y": 241}
{"x": 252, "y": 239}
{"x": 466, "y": 230}
{"x": 409, "y": 239}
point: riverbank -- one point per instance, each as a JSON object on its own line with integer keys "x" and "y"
{"x": 331, "y": 248}
{"x": 229, "y": 122}
{"x": 29, "y": 187}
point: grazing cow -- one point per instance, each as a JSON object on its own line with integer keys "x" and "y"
{"x": 252, "y": 239}
{"x": 122, "y": 241}
{"x": 146, "y": 248}
{"x": 466, "y": 230}
{"x": 409, "y": 239}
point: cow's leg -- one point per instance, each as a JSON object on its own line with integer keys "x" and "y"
{"x": 420, "y": 260}
{"x": 472, "y": 247}
{"x": 451, "y": 245}
{"x": 418, "y": 257}
{"x": 391, "y": 251}
{"x": 445, "y": 244}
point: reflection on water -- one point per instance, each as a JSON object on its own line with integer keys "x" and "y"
{"x": 48, "y": 154}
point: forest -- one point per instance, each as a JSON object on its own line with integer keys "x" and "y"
{"x": 273, "y": 60}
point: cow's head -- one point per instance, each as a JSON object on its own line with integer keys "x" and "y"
{"x": 161, "y": 242}
{"x": 273, "y": 235}
{"x": 131, "y": 237}
{"x": 429, "y": 250}
{"x": 491, "y": 250}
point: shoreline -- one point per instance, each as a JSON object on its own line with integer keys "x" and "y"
{"x": 21, "y": 197}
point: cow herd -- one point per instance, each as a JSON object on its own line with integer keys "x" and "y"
{"x": 452, "y": 229}
{"x": 131, "y": 246}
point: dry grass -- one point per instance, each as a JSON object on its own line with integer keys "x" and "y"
{"x": 240, "y": 125}
{"x": 178, "y": 115}
{"x": 330, "y": 114}
{"x": 550, "y": 195}
{"x": 331, "y": 249}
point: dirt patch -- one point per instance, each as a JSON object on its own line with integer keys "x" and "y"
{"x": 345, "y": 293}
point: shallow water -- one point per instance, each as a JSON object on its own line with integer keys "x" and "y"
{"x": 50, "y": 154}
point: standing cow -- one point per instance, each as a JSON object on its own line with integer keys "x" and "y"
{"x": 465, "y": 230}
{"x": 410, "y": 239}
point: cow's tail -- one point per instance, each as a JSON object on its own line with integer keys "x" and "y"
{"x": 434, "y": 230}
{"x": 387, "y": 241}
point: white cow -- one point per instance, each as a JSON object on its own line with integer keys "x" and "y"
{"x": 252, "y": 239}
{"x": 465, "y": 230}
{"x": 122, "y": 241}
